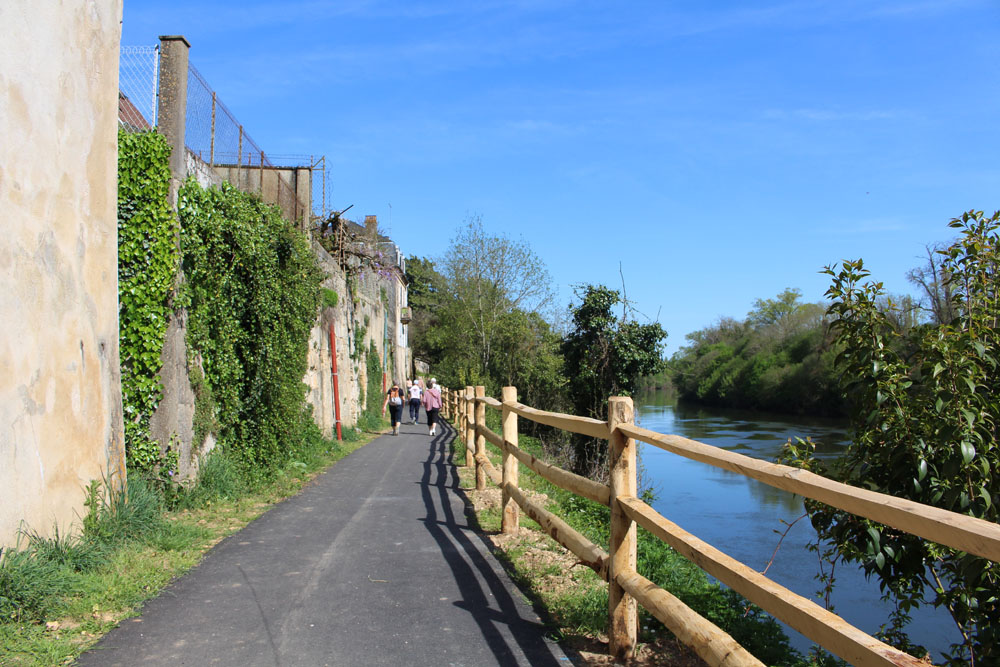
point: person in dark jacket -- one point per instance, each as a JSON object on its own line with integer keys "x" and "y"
{"x": 394, "y": 400}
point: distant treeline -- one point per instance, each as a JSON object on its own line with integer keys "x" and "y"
{"x": 778, "y": 359}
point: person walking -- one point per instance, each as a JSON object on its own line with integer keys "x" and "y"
{"x": 432, "y": 404}
{"x": 415, "y": 393}
{"x": 394, "y": 399}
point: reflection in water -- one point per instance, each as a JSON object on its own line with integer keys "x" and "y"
{"x": 745, "y": 518}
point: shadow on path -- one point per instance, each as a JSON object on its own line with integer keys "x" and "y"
{"x": 476, "y": 575}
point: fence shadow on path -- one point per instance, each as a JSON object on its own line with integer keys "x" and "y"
{"x": 482, "y": 590}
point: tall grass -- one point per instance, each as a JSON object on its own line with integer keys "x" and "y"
{"x": 30, "y": 586}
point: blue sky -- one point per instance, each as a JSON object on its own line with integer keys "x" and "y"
{"x": 716, "y": 152}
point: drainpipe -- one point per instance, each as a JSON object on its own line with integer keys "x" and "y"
{"x": 336, "y": 381}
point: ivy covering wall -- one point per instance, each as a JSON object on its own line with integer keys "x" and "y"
{"x": 252, "y": 291}
{"x": 147, "y": 269}
{"x": 251, "y": 287}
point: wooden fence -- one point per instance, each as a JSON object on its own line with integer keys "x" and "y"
{"x": 466, "y": 408}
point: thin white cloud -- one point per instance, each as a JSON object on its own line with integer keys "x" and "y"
{"x": 832, "y": 115}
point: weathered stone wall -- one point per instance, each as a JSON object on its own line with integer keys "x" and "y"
{"x": 60, "y": 395}
{"x": 365, "y": 305}
{"x": 288, "y": 188}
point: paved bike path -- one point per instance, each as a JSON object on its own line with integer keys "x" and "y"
{"x": 373, "y": 563}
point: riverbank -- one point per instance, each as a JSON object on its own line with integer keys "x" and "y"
{"x": 67, "y": 592}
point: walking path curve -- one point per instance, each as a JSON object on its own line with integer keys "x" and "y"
{"x": 373, "y": 563}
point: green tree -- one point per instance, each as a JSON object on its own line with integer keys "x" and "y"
{"x": 252, "y": 292}
{"x": 489, "y": 277}
{"x": 924, "y": 426}
{"x": 772, "y": 311}
{"x": 426, "y": 295}
{"x": 605, "y": 356}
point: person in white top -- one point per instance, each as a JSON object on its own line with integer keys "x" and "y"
{"x": 415, "y": 393}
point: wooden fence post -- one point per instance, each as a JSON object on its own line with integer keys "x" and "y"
{"x": 480, "y": 439}
{"x": 623, "y": 617}
{"x": 470, "y": 434}
{"x": 444, "y": 402}
{"x": 511, "y": 512}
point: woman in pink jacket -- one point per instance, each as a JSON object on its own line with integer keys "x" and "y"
{"x": 432, "y": 404}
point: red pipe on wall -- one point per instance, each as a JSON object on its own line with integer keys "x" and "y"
{"x": 336, "y": 381}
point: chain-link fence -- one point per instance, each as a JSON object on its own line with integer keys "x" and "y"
{"x": 212, "y": 132}
{"x": 215, "y": 136}
{"x": 137, "y": 84}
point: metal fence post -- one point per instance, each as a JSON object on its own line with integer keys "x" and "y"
{"x": 239, "y": 161}
{"x": 261, "y": 172}
{"x": 511, "y": 521}
{"x": 623, "y": 617}
{"x": 211, "y": 142}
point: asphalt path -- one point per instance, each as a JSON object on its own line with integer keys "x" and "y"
{"x": 373, "y": 563}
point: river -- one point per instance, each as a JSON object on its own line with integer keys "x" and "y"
{"x": 745, "y": 518}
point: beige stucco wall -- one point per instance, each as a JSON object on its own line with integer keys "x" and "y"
{"x": 60, "y": 397}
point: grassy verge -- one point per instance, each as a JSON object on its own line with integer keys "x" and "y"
{"x": 59, "y": 595}
{"x": 576, "y": 600}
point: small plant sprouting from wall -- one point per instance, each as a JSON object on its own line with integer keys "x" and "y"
{"x": 373, "y": 398}
{"x": 359, "y": 342}
{"x": 330, "y": 298}
{"x": 371, "y": 417}
{"x": 205, "y": 421}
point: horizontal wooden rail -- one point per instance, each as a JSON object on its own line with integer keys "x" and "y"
{"x": 491, "y": 437}
{"x": 588, "y": 488}
{"x": 595, "y": 428}
{"x": 965, "y": 533}
{"x": 581, "y": 486}
{"x": 815, "y": 622}
{"x": 491, "y": 402}
{"x": 494, "y": 474}
{"x": 589, "y": 553}
{"x": 711, "y": 643}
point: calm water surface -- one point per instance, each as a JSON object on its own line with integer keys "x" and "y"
{"x": 745, "y": 518}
